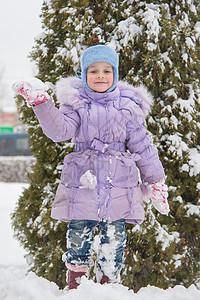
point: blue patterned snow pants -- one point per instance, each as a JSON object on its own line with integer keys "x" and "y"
{"x": 112, "y": 242}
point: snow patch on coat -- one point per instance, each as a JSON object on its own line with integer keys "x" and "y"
{"x": 68, "y": 93}
{"x": 88, "y": 180}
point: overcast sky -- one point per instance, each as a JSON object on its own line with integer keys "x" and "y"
{"x": 19, "y": 25}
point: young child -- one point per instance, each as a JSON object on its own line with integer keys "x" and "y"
{"x": 100, "y": 179}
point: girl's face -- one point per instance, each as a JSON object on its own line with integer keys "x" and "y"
{"x": 100, "y": 76}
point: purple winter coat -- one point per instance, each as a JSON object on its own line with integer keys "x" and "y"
{"x": 102, "y": 126}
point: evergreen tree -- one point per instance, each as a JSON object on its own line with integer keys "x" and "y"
{"x": 158, "y": 43}
{"x": 165, "y": 59}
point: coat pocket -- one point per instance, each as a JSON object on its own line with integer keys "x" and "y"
{"x": 124, "y": 170}
{"x": 76, "y": 165}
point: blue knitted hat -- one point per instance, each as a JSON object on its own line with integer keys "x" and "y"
{"x": 99, "y": 53}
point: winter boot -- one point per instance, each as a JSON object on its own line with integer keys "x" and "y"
{"x": 104, "y": 279}
{"x": 74, "y": 279}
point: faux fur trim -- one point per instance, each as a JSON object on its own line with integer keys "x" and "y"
{"x": 68, "y": 93}
{"x": 141, "y": 93}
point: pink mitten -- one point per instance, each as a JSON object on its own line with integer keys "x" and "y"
{"x": 34, "y": 91}
{"x": 159, "y": 197}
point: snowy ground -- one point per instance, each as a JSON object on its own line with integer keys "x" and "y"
{"x": 16, "y": 284}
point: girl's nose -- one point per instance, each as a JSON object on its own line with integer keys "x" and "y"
{"x": 100, "y": 75}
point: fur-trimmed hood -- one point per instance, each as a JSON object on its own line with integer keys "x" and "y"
{"x": 67, "y": 91}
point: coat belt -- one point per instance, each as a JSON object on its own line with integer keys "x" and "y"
{"x": 98, "y": 145}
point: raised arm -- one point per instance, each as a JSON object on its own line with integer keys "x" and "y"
{"x": 58, "y": 124}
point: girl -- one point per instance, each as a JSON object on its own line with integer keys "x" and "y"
{"x": 100, "y": 178}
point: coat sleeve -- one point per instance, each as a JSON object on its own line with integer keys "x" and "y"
{"x": 57, "y": 124}
{"x": 149, "y": 164}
